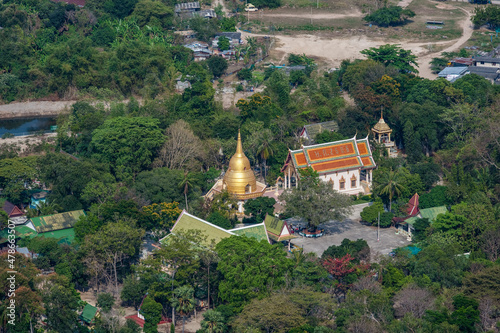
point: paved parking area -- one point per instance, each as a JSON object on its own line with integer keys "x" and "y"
{"x": 351, "y": 228}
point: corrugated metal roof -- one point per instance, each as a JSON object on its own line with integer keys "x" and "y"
{"x": 314, "y": 129}
{"x": 57, "y": 221}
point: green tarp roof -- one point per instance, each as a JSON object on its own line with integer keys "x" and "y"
{"x": 257, "y": 231}
{"x": 57, "y": 221}
{"x": 428, "y": 213}
{"x": 88, "y": 313}
{"x": 65, "y": 236}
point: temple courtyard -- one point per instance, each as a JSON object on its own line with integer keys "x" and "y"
{"x": 351, "y": 228}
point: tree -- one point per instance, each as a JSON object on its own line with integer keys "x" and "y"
{"x": 186, "y": 184}
{"x": 487, "y": 15}
{"x": 213, "y": 322}
{"x": 414, "y": 300}
{"x": 162, "y": 215}
{"x": 181, "y": 149}
{"x": 259, "y": 207}
{"x": 276, "y": 313}
{"x": 328, "y": 136}
{"x": 389, "y": 185}
{"x": 133, "y": 291}
{"x": 389, "y": 16}
{"x": 249, "y": 269}
{"x": 128, "y": 144}
{"x": 223, "y": 43}
{"x": 217, "y": 65}
{"x": 316, "y": 202}
{"x": 150, "y": 12}
{"x": 245, "y": 74}
{"x": 393, "y": 55}
{"x": 105, "y": 301}
{"x": 358, "y": 249}
{"x": 60, "y": 303}
{"x": 183, "y": 302}
{"x": 220, "y": 220}
{"x": 115, "y": 242}
{"x": 152, "y": 314}
{"x": 370, "y": 213}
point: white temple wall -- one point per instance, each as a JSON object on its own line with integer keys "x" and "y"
{"x": 346, "y": 175}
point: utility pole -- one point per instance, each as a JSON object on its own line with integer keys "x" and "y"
{"x": 378, "y": 228}
{"x": 317, "y": 3}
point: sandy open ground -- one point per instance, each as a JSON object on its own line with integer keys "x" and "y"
{"x": 335, "y": 49}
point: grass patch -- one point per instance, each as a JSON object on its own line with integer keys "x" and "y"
{"x": 482, "y": 40}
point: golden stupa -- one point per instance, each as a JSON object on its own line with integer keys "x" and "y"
{"x": 239, "y": 178}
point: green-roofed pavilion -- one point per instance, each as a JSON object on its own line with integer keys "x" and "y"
{"x": 257, "y": 231}
{"x": 55, "y": 222}
{"x": 427, "y": 213}
{"x": 88, "y": 314}
{"x": 186, "y": 222}
{"x": 277, "y": 229}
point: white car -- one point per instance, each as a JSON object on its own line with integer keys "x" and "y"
{"x": 250, "y": 8}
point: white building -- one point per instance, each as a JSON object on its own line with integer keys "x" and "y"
{"x": 347, "y": 164}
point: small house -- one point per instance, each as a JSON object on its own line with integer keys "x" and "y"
{"x": 453, "y": 73}
{"x": 11, "y": 209}
{"x": 234, "y": 38}
{"x": 486, "y": 62}
{"x": 461, "y": 62}
{"x": 489, "y": 73}
{"x": 88, "y": 315}
{"x": 309, "y": 132}
{"x": 406, "y": 227}
{"x": 187, "y": 7}
{"x": 38, "y": 198}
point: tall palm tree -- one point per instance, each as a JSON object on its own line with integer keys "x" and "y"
{"x": 213, "y": 322}
{"x": 390, "y": 185}
{"x": 183, "y": 302}
{"x": 186, "y": 183}
{"x": 265, "y": 151}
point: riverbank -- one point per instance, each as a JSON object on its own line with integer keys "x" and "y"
{"x": 26, "y": 143}
{"x": 40, "y": 109}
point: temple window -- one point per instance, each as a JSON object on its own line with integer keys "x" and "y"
{"x": 353, "y": 181}
{"x": 342, "y": 183}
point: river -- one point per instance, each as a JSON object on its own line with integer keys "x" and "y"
{"x": 25, "y": 126}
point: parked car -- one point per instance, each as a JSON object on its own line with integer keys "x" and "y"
{"x": 250, "y": 8}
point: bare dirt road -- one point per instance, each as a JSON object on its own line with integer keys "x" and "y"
{"x": 424, "y": 61}
{"x": 315, "y": 16}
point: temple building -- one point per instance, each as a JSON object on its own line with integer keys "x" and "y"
{"x": 239, "y": 179}
{"x": 347, "y": 164}
{"x": 382, "y": 134}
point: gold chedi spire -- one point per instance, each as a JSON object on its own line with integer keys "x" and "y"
{"x": 239, "y": 178}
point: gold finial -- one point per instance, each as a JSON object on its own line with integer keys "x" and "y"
{"x": 239, "y": 146}
{"x": 381, "y": 112}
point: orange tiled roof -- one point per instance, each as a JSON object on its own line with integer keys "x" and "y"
{"x": 333, "y": 156}
{"x": 345, "y": 163}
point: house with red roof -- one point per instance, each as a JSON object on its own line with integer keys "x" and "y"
{"x": 346, "y": 164}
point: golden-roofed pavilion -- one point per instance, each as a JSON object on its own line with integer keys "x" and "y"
{"x": 382, "y": 134}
